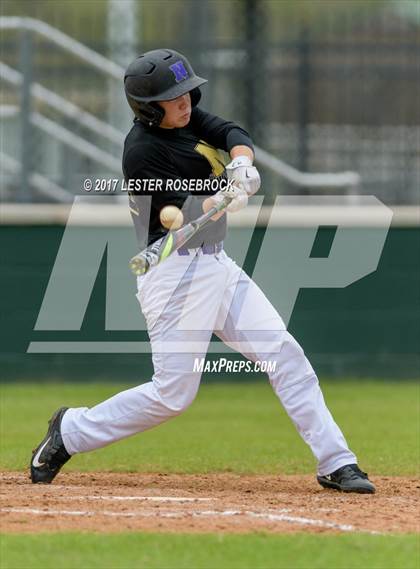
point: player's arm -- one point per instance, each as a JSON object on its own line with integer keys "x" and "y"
{"x": 241, "y": 171}
{"x": 245, "y": 182}
{"x": 230, "y": 137}
{"x": 219, "y": 132}
{"x": 242, "y": 150}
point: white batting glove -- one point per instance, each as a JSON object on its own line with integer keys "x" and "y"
{"x": 238, "y": 195}
{"x": 244, "y": 174}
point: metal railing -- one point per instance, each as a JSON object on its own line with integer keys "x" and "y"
{"x": 22, "y": 80}
{"x": 45, "y": 186}
{"x": 62, "y": 105}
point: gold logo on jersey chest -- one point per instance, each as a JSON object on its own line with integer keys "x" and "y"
{"x": 212, "y": 155}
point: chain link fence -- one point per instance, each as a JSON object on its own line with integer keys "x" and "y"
{"x": 326, "y": 88}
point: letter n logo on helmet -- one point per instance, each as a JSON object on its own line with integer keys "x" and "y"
{"x": 178, "y": 69}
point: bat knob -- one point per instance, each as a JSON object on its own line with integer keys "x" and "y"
{"x": 138, "y": 266}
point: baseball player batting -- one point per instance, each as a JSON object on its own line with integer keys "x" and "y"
{"x": 197, "y": 290}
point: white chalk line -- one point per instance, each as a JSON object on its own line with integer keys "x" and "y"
{"x": 139, "y": 498}
{"x": 86, "y": 513}
{"x": 282, "y": 517}
{"x": 278, "y": 516}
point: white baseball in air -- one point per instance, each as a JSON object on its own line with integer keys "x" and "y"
{"x": 171, "y": 217}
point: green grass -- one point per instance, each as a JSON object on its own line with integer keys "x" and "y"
{"x": 199, "y": 551}
{"x": 239, "y": 428}
{"x": 230, "y": 427}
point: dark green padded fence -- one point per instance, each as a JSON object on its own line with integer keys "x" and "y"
{"x": 368, "y": 329}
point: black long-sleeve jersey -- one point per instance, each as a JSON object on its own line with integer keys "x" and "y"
{"x": 153, "y": 154}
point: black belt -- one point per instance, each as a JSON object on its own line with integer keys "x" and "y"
{"x": 206, "y": 249}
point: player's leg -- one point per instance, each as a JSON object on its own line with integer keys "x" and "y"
{"x": 178, "y": 290}
{"x": 252, "y": 326}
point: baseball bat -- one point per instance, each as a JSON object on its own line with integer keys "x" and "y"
{"x": 172, "y": 241}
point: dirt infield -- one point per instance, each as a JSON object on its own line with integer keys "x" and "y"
{"x": 108, "y": 502}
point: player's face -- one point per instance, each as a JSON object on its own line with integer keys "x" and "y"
{"x": 177, "y": 112}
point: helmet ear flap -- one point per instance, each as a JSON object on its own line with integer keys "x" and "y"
{"x": 150, "y": 114}
{"x": 195, "y": 95}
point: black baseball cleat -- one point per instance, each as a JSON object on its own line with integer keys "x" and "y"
{"x": 50, "y": 455}
{"x": 348, "y": 478}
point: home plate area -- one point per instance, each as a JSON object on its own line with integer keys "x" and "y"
{"x": 114, "y": 502}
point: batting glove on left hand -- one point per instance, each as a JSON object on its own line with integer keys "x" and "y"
{"x": 238, "y": 195}
{"x": 244, "y": 174}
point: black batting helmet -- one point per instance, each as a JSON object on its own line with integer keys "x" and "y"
{"x": 159, "y": 75}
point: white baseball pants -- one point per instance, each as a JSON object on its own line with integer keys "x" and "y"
{"x": 184, "y": 300}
